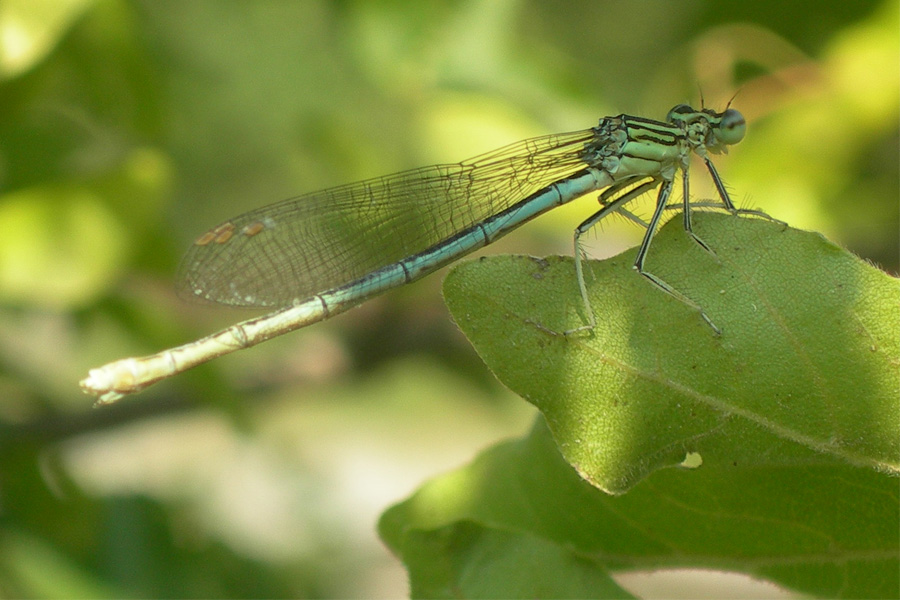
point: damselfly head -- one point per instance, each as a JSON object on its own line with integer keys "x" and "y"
{"x": 712, "y": 129}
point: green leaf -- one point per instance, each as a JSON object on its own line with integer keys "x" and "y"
{"x": 789, "y": 421}
{"x": 467, "y": 560}
{"x": 805, "y": 371}
{"x": 828, "y": 529}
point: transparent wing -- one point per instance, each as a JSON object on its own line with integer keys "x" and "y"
{"x": 294, "y": 249}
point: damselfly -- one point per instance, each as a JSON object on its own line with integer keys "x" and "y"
{"x": 316, "y": 255}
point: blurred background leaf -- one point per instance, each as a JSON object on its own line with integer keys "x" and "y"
{"x": 785, "y": 523}
{"x": 127, "y": 127}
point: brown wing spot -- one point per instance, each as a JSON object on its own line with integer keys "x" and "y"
{"x": 219, "y": 235}
{"x": 224, "y": 233}
{"x": 253, "y": 228}
{"x": 205, "y": 239}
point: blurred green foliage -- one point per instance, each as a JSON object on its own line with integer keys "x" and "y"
{"x": 128, "y": 127}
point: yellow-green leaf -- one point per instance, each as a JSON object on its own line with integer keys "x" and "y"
{"x": 805, "y": 370}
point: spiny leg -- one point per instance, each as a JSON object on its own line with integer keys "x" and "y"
{"x": 686, "y": 202}
{"x": 614, "y": 193}
{"x": 664, "y": 193}
{"x": 726, "y": 199}
{"x": 608, "y": 206}
{"x": 725, "y": 202}
{"x": 720, "y": 187}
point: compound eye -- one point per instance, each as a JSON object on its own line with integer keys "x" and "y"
{"x": 732, "y": 127}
